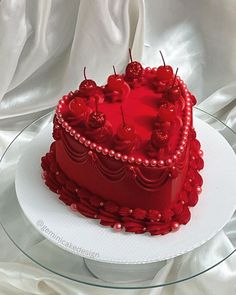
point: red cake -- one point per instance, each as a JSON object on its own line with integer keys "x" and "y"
{"x": 126, "y": 153}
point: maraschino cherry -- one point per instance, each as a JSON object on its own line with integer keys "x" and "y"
{"x": 159, "y": 138}
{"x": 96, "y": 119}
{"x": 134, "y": 69}
{"x": 167, "y": 112}
{"x": 125, "y": 131}
{"x": 164, "y": 72}
{"x": 115, "y": 82}
{"x": 77, "y": 106}
{"x": 87, "y": 87}
{"x": 173, "y": 94}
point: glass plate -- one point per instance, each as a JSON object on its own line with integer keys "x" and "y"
{"x": 76, "y": 268}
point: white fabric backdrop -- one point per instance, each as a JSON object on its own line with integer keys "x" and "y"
{"x": 44, "y": 46}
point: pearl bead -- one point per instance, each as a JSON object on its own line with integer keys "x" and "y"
{"x": 72, "y": 132}
{"x": 178, "y": 154}
{"x": 73, "y": 207}
{"x": 188, "y": 114}
{"x": 70, "y": 94}
{"x": 168, "y": 162}
{"x": 200, "y": 153}
{"x": 153, "y": 163}
{"x": 64, "y": 124}
{"x": 111, "y": 153}
{"x": 154, "y": 70}
{"x": 146, "y": 162}
{"x": 131, "y": 159}
{"x": 105, "y": 151}
{"x": 117, "y": 227}
{"x": 160, "y": 163}
{"x": 82, "y": 140}
{"x": 148, "y": 69}
{"x": 90, "y": 153}
{"x": 93, "y": 146}
{"x": 44, "y": 174}
{"x": 117, "y": 156}
{"x": 174, "y": 158}
{"x": 99, "y": 149}
{"x": 124, "y": 158}
{"x": 175, "y": 226}
{"x": 198, "y": 189}
{"x": 138, "y": 161}
{"x": 65, "y": 97}
{"x": 186, "y": 128}
{"x": 77, "y": 136}
{"x": 87, "y": 143}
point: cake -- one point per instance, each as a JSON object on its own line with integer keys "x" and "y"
{"x": 126, "y": 153}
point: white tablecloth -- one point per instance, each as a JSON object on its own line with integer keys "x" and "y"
{"x": 45, "y": 45}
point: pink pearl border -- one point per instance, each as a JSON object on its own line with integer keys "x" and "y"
{"x": 125, "y": 158}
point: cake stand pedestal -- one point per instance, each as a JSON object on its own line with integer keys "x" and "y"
{"x": 87, "y": 268}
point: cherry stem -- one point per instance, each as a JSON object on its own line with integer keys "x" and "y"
{"x": 176, "y": 72}
{"x": 130, "y": 55}
{"x": 162, "y": 57}
{"x": 85, "y": 73}
{"x": 123, "y": 116}
{"x": 96, "y": 104}
{"x": 114, "y": 70}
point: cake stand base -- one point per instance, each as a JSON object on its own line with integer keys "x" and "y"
{"x": 124, "y": 273}
{"x": 85, "y": 237}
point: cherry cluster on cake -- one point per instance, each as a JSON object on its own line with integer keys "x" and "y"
{"x": 126, "y": 152}
{"x": 83, "y": 112}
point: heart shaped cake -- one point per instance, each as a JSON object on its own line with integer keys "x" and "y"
{"x": 126, "y": 153}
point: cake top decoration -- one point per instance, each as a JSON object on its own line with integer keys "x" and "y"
{"x": 144, "y": 113}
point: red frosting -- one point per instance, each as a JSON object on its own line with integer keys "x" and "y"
{"x": 141, "y": 179}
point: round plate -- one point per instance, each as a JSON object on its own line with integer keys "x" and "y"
{"x": 86, "y": 237}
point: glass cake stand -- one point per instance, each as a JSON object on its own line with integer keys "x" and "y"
{"x": 25, "y": 236}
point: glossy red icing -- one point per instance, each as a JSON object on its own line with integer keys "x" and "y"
{"x": 114, "y": 180}
{"x": 140, "y": 184}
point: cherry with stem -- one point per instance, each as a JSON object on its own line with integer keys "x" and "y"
{"x": 164, "y": 72}
{"x": 130, "y": 55}
{"x": 114, "y": 69}
{"x": 87, "y": 87}
{"x": 134, "y": 69}
{"x": 85, "y": 73}
{"x": 176, "y": 72}
{"x": 162, "y": 57}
